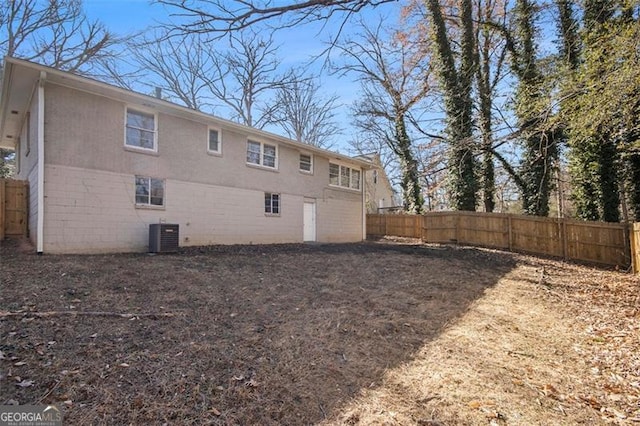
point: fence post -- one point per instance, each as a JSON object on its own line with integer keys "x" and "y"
{"x": 510, "y": 230}
{"x": 386, "y": 231}
{"x": 627, "y": 234}
{"x": 635, "y": 247}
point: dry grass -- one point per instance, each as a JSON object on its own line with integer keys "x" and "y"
{"x": 373, "y": 333}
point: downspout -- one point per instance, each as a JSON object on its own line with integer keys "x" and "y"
{"x": 40, "y": 224}
{"x": 364, "y": 204}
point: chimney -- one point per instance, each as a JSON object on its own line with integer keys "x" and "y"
{"x": 159, "y": 92}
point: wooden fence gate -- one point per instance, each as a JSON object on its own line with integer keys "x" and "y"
{"x": 14, "y": 203}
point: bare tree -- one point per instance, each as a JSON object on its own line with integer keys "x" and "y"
{"x": 394, "y": 77}
{"x": 185, "y": 68}
{"x": 55, "y": 33}
{"x": 491, "y": 52}
{"x": 305, "y": 114}
{"x": 244, "y": 77}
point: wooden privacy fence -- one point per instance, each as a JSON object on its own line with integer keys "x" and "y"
{"x": 14, "y": 202}
{"x": 612, "y": 244}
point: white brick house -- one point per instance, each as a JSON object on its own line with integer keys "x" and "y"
{"x": 103, "y": 163}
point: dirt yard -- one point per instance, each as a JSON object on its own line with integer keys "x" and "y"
{"x": 378, "y": 333}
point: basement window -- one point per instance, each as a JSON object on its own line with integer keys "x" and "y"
{"x": 149, "y": 191}
{"x": 271, "y": 204}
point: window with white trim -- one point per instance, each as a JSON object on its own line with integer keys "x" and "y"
{"x": 306, "y": 163}
{"x": 343, "y": 176}
{"x": 149, "y": 191}
{"x": 140, "y": 130}
{"x": 271, "y": 203}
{"x": 214, "y": 144}
{"x": 334, "y": 174}
{"x": 262, "y": 154}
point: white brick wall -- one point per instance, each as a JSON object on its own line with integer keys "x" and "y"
{"x": 92, "y": 211}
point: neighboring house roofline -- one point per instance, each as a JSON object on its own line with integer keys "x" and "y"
{"x": 90, "y": 85}
{"x": 374, "y": 158}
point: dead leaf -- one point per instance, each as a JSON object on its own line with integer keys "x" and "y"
{"x": 549, "y": 390}
{"x": 25, "y": 383}
{"x": 20, "y": 363}
{"x": 124, "y": 364}
{"x": 475, "y": 404}
{"x": 215, "y": 412}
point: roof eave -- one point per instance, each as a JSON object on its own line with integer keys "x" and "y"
{"x": 74, "y": 80}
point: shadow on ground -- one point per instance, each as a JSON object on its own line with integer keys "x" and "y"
{"x": 283, "y": 334}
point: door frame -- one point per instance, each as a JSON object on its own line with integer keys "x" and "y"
{"x": 314, "y": 220}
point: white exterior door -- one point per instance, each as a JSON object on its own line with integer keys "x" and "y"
{"x": 309, "y": 221}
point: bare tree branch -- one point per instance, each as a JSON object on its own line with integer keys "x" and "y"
{"x": 224, "y": 16}
{"x": 394, "y": 78}
{"x": 244, "y": 77}
{"x": 183, "y": 68}
{"x": 304, "y": 114}
{"x": 55, "y": 33}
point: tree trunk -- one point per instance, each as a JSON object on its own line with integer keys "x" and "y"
{"x": 411, "y": 191}
{"x": 457, "y": 87}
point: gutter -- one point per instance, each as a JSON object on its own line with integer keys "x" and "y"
{"x": 364, "y": 205}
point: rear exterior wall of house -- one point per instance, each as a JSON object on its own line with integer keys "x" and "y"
{"x": 215, "y": 197}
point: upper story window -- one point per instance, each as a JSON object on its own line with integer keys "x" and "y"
{"x": 344, "y": 176}
{"x": 214, "y": 144}
{"x": 306, "y": 163}
{"x": 262, "y": 154}
{"x": 149, "y": 191}
{"x": 141, "y": 131}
